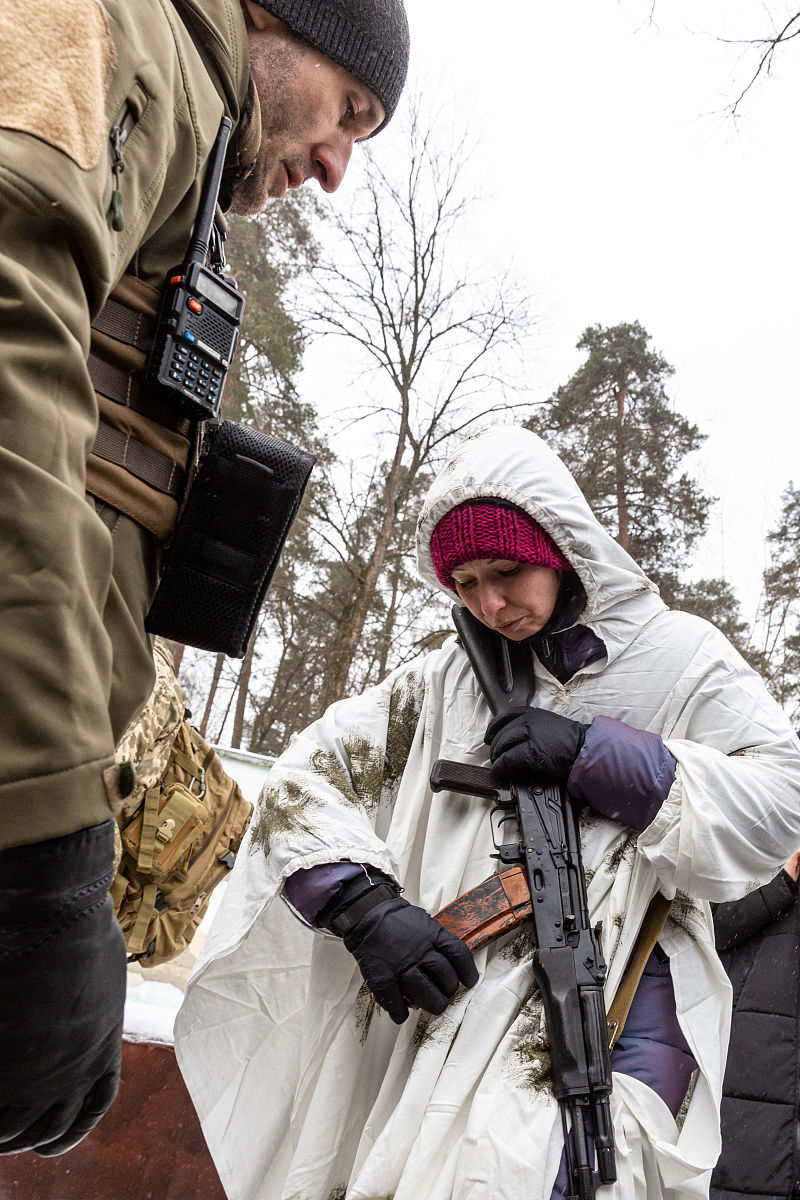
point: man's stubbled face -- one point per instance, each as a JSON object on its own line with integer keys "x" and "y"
{"x": 312, "y": 112}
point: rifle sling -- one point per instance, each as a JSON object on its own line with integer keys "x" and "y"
{"x": 498, "y": 904}
{"x": 653, "y": 923}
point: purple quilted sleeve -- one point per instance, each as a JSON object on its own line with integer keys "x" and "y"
{"x": 309, "y": 891}
{"x": 622, "y": 772}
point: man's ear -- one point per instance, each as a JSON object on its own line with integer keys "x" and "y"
{"x": 258, "y": 17}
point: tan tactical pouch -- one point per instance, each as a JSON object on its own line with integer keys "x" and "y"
{"x": 140, "y": 460}
{"x": 181, "y": 838}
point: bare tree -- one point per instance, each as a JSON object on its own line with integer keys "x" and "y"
{"x": 431, "y": 334}
{"x": 433, "y": 347}
{"x": 761, "y": 51}
{"x": 778, "y": 648}
{"x": 757, "y": 52}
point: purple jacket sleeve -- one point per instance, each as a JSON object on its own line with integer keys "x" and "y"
{"x": 309, "y": 891}
{"x": 623, "y": 773}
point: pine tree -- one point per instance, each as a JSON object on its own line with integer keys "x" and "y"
{"x": 616, "y": 429}
{"x": 779, "y": 617}
{"x": 269, "y": 256}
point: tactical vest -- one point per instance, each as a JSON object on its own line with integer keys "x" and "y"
{"x": 142, "y": 458}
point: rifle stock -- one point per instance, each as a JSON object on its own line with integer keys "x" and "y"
{"x": 502, "y": 668}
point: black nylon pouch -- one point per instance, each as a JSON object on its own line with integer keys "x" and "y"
{"x": 227, "y": 543}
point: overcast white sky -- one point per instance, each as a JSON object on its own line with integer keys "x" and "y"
{"x": 622, "y": 192}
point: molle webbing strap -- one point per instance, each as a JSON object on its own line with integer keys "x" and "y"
{"x": 136, "y": 939}
{"x": 191, "y": 767}
{"x": 125, "y": 324}
{"x": 118, "y": 889}
{"x": 140, "y": 458}
{"x": 150, "y": 821}
{"x": 123, "y": 387}
{"x": 148, "y": 465}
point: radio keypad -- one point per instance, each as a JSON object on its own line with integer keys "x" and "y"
{"x": 192, "y": 361}
{"x": 194, "y": 373}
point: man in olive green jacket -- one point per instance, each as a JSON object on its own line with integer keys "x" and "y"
{"x": 108, "y": 111}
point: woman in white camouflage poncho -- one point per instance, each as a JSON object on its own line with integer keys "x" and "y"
{"x": 307, "y": 1089}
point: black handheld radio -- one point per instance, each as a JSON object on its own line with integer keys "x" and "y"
{"x": 201, "y": 310}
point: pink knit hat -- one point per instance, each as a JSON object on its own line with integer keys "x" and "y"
{"x": 481, "y": 529}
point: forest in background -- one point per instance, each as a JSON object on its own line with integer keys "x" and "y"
{"x": 432, "y": 347}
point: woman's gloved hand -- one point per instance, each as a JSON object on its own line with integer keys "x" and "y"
{"x": 62, "y": 990}
{"x": 406, "y": 957}
{"x": 533, "y": 741}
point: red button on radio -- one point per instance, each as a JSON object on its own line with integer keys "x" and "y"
{"x": 195, "y": 306}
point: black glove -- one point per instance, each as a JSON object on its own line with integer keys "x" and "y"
{"x": 62, "y": 990}
{"x": 406, "y": 957}
{"x": 532, "y": 741}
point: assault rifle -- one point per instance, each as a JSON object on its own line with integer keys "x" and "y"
{"x": 568, "y": 963}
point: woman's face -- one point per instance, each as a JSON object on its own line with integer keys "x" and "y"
{"x": 516, "y": 599}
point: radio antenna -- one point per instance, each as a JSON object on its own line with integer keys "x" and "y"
{"x": 201, "y": 234}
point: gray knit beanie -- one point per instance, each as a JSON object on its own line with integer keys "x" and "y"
{"x": 369, "y": 38}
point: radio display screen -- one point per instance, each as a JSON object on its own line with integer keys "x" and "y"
{"x": 207, "y": 285}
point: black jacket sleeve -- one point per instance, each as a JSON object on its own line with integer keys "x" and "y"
{"x": 738, "y": 920}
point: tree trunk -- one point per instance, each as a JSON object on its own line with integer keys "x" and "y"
{"x": 388, "y": 627}
{"x": 219, "y": 664}
{"x": 335, "y": 681}
{"x": 243, "y": 685}
{"x": 176, "y": 649}
{"x": 623, "y": 516}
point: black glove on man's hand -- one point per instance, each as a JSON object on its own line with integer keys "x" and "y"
{"x": 406, "y": 956}
{"x": 532, "y": 741}
{"x": 62, "y": 990}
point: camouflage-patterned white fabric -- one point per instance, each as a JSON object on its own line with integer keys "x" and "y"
{"x": 306, "y": 1090}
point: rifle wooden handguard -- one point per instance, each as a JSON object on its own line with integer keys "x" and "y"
{"x": 501, "y": 902}
{"x": 490, "y": 909}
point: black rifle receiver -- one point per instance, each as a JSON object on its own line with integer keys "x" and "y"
{"x": 568, "y": 963}
{"x": 201, "y": 310}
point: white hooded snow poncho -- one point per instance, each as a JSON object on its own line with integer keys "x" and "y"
{"x": 305, "y": 1089}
